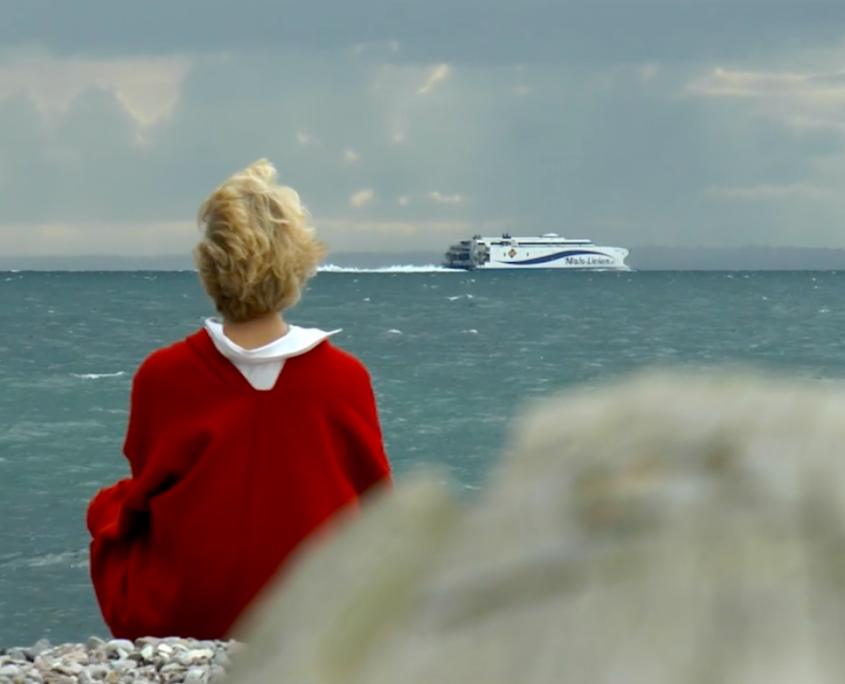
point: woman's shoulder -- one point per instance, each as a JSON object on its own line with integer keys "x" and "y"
{"x": 337, "y": 354}
{"x": 332, "y": 375}
{"x": 335, "y": 361}
{"x": 177, "y": 355}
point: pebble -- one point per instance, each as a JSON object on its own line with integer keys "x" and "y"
{"x": 148, "y": 660}
{"x": 196, "y": 676}
{"x": 17, "y": 655}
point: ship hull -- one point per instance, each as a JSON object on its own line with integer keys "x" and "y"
{"x": 541, "y": 258}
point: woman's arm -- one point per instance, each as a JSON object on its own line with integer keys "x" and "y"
{"x": 105, "y": 508}
{"x": 118, "y": 520}
{"x": 368, "y": 462}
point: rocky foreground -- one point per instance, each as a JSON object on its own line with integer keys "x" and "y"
{"x": 670, "y": 527}
{"x": 146, "y": 661}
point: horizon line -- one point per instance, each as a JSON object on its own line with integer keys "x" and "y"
{"x": 373, "y": 252}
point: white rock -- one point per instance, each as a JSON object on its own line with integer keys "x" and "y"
{"x": 147, "y": 641}
{"x": 10, "y": 671}
{"x": 17, "y": 655}
{"x": 195, "y": 656}
{"x": 123, "y": 665}
{"x": 40, "y": 646}
{"x": 67, "y": 668}
{"x": 94, "y": 643}
{"x": 196, "y": 676}
{"x": 78, "y": 656}
{"x": 98, "y": 671}
{"x": 171, "y": 668}
{"x": 119, "y": 648}
{"x": 671, "y": 528}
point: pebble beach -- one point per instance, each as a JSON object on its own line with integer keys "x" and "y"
{"x": 118, "y": 661}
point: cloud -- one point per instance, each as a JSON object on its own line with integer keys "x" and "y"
{"x": 343, "y": 234}
{"x": 627, "y": 161}
{"x": 440, "y": 198}
{"x": 361, "y": 198}
{"x": 147, "y": 88}
{"x": 803, "y": 99}
{"x": 770, "y": 192}
{"x": 818, "y": 87}
{"x": 649, "y": 72}
{"x": 179, "y": 237}
{"x": 78, "y": 239}
{"x": 683, "y": 129}
{"x": 391, "y": 47}
{"x": 440, "y": 73}
{"x": 472, "y": 32}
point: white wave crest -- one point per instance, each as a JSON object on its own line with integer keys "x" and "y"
{"x": 399, "y": 268}
{"x": 97, "y": 376}
{"x": 74, "y": 559}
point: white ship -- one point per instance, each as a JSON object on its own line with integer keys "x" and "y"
{"x": 546, "y": 251}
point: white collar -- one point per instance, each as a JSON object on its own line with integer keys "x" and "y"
{"x": 295, "y": 342}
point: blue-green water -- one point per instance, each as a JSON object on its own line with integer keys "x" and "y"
{"x": 452, "y": 356}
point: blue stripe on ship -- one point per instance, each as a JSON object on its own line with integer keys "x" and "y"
{"x": 554, "y": 257}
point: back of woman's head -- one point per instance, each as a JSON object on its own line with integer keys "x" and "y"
{"x": 258, "y": 248}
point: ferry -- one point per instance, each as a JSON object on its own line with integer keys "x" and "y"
{"x": 545, "y": 251}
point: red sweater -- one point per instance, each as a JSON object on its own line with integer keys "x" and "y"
{"x": 225, "y": 482}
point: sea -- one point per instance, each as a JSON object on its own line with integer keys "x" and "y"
{"x": 454, "y": 357}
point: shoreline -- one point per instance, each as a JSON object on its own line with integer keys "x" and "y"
{"x": 147, "y": 660}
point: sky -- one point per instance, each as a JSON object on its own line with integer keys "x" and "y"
{"x": 408, "y": 124}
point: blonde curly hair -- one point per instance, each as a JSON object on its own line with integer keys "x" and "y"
{"x": 258, "y": 248}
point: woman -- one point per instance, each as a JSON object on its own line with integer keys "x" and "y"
{"x": 242, "y": 439}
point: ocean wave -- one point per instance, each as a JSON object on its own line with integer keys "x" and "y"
{"x": 23, "y": 431}
{"x": 399, "y": 268}
{"x": 97, "y": 376}
{"x": 73, "y": 559}
{"x": 100, "y": 409}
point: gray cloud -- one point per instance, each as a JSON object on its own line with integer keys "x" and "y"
{"x": 405, "y": 125}
{"x": 465, "y": 31}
